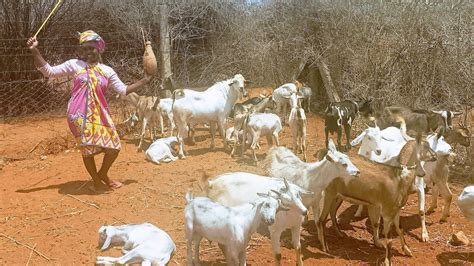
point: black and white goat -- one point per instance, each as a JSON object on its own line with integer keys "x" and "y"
{"x": 341, "y": 115}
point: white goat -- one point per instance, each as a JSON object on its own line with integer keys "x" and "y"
{"x": 164, "y": 108}
{"x": 233, "y": 189}
{"x": 233, "y": 138}
{"x": 281, "y": 98}
{"x": 297, "y": 122}
{"x": 231, "y": 227}
{"x": 306, "y": 92}
{"x": 142, "y": 243}
{"x": 314, "y": 177}
{"x": 466, "y": 202}
{"x": 212, "y": 105}
{"x": 258, "y": 124}
{"x": 163, "y": 150}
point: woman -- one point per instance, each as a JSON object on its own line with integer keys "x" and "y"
{"x": 88, "y": 114}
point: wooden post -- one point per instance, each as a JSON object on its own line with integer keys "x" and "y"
{"x": 165, "y": 43}
{"x": 328, "y": 84}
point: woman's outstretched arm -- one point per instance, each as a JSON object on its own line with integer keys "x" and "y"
{"x": 32, "y": 44}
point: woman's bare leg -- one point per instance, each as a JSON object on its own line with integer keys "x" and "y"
{"x": 91, "y": 168}
{"x": 109, "y": 159}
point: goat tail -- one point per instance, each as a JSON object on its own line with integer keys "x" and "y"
{"x": 204, "y": 184}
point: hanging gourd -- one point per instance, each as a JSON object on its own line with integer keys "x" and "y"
{"x": 149, "y": 60}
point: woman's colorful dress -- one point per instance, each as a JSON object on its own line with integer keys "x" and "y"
{"x": 88, "y": 114}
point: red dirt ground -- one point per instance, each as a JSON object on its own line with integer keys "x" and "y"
{"x": 36, "y": 209}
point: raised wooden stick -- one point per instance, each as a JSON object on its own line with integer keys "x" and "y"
{"x": 85, "y": 202}
{"x": 30, "y": 248}
{"x": 46, "y": 20}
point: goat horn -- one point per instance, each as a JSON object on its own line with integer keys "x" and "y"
{"x": 276, "y": 192}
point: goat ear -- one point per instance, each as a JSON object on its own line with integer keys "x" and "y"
{"x": 329, "y": 158}
{"x": 107, "y": 241}
{"x": 455, "y": 113}
{"x": 437, "y": 112}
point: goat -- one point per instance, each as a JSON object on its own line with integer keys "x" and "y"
{"x": 466, "y": 202}
{"x": 383, "y": 188}
{"x": 382, "y": 146}
{"x": 258, "y": 124}
{"x": 142, "y": 243}
{"x": 144, "y": 110}
{"x": 233, "y": 138}
{"x": 230, "y": 227}
{"x": 281, "y": 98}
{"x": 390, "y": 141}
{"x": 437, "y": 172}
{"x": 341, "y": 115}
{"x": 240, "y": 113}
{"x": 297, "y": 122}
{"x": 163, "y": 150}
{"x": 233, "y": 189}
{"x": 212, "y": 105}
{"x": 314, "y": 177}
{"x": 420, "y": 121}
{"x": 164, "y": 108}
{"x": 261, "y": 103}
{"x": 306, "y": 92}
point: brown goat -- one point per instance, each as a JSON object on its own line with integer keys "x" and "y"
{"x": 383, "y": 188}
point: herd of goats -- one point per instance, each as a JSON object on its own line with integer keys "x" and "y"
{"x": 389, "y": 166}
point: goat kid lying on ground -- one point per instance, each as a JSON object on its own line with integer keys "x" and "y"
{"x": 383, "y": 188}
{"x": 233, "y": 189}
{"x": 466, "y": 202}
{"x": 142, "y": 243}
{"x": 341, "y": 115}
{"x": 212, "y": 105}
{"x": 314, "y": 177}
{"x": 163, "y": 150}
{"x": 231, "y": 227}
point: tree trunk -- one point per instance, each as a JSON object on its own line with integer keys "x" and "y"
{"x": 165, "y": 46}
{"x": 328, "y": 84}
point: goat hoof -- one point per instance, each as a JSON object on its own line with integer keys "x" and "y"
{"x": 407, "y": 251}
{"x": 425, "y": 238}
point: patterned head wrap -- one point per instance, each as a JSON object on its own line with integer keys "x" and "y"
{"x": 88, "y": 36}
